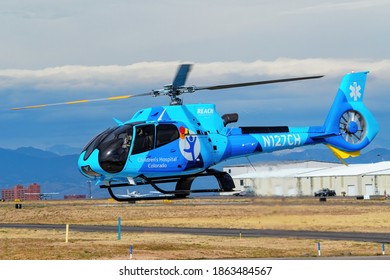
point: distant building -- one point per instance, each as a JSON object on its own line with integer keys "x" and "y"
{"x": 305, "y": 178}
{"x": 18, "y": 192}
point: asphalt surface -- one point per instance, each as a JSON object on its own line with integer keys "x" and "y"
{"x": 327, "y": 235}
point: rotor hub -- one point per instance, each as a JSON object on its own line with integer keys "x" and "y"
{"x": 352, "y": 127}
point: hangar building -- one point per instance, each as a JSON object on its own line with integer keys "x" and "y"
{"x": 305, "y": 178}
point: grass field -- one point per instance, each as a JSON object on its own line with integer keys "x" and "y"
{"x": 336, "y": 214}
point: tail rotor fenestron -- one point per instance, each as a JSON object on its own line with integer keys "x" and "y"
{"x": 352, "y": 127}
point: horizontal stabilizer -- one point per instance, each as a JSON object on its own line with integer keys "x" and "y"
{"x": 341, "y": 155}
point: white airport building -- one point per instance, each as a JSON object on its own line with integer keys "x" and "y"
{"x": 305, "y": 178}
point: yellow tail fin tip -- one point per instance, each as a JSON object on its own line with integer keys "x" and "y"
{"x": 343, "y": 154}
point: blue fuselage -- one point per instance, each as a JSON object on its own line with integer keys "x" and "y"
{"x": 180, "y": 140}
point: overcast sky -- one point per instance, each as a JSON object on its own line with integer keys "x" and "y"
{"x": 53, "y": 51}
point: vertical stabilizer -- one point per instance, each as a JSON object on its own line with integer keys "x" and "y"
{"x": 348, "y": 117}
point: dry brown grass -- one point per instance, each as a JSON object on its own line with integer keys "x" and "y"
{"x": 260, "y": 213}
{"x": 45, "y": 245}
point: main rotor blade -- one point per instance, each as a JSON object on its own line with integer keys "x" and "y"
{"x": 112, "y": 98}
{"x": 257, "y": 83}
{"x": 181, "y": 76}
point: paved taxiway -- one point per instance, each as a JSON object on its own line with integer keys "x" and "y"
{"x": 329, "y": 235}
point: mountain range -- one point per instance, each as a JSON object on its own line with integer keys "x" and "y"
{"x": 56, "y": 171}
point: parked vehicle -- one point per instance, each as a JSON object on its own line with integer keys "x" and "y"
{"x": 247, "y": 192}
{"x": 325, "y": 192}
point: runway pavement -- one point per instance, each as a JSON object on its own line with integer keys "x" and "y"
{"x": 325, "y": 235}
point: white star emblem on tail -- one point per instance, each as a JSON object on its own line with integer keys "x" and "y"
{"x": 355, "y": 91}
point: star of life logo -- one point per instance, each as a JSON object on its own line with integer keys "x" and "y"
{"x": 355, "y": 91}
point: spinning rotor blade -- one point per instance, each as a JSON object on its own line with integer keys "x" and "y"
{"x": 174, "y": 90}
{"x": 257, "y": 83}
{"x": 118, "y": 97}
{"x": 181, "y": 75}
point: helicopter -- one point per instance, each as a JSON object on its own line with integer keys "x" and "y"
{"x": 180, "y": 142}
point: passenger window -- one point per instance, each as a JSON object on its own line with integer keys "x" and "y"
{"x": 166, "y": 133}
{"x": 144, "y": 139}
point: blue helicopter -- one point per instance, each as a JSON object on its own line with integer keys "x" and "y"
{"x": 179, "y": 143}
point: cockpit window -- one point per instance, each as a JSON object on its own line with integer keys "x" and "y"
{"x": 91, "y": 146}
{"x": 166, "y": 133}
{"x": 113, "y": 145}
{"x": 144, "y": 139}
{"x": 121, "y": 135}
{"x": 114, "y": 148}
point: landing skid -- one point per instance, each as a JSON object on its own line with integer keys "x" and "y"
{"x": 183, "y": 186}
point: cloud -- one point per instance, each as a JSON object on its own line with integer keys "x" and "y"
{"x": 20, "y": 87}
{"x": 51, "y": 33}
{"x": 335, "y": 7}
{"x": 160, "y": 73}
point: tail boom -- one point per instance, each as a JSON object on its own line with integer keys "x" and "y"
{"x": 247, "y": 141}
{"x": 349, "y": 127}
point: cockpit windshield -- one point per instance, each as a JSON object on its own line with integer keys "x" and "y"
{"x": 121, "y": 136}
{"x": 113, "y": 145}
{"x": 91, "y": 146}
{"x": 114, "y": 149}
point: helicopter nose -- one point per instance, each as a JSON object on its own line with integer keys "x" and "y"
{"x": 90, "y": 167}
{"x": 104, "y": 161}
{"x": 87, "y": 170}
{"x": 107, "y": 153}
{"x": 113, "y": 156}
